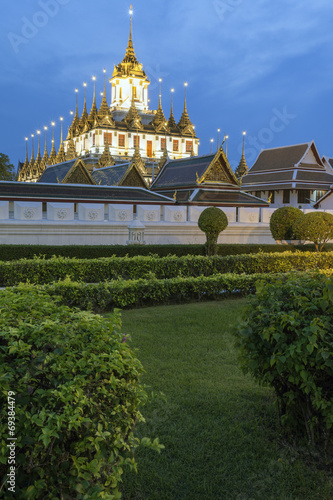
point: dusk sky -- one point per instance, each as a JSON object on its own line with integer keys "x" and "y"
{"x": 262, "y": 66}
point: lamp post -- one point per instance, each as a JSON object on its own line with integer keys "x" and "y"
{"x": 218, "y": 138}
{"x": 211, "y": 145}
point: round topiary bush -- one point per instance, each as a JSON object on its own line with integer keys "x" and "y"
{"x": 316, "y": 227}
{"x": 212, "y": 222}
{"x": 282, "y": 222}
{"x": 72, "y": 386}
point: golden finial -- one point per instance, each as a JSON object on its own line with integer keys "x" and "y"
{"x": 58, "y": 180}
{"x": 175, "y": 195}
{"x": 100, "y": 182}
{"x": 197, "y": 178}
{"x": 270, "y": 198}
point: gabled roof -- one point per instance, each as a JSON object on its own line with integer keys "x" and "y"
{"x": 289, "y": 167}
{"x": 126, "y": 174}
{"x": 196, "y": 171}
{"x": 287, "y": 157}
{"x": 37, "y": 191}
{"x": 68, "y": 172}
{"x": 328, "y": 162}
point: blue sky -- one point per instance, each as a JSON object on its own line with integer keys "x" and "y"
{"x": 262, "y": 66}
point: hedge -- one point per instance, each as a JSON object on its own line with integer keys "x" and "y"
{"x": 70, "y": 394}
{"x": 143, "y": 292}
{"x": 40, "y": 271}
{"x": 15, "y": 252}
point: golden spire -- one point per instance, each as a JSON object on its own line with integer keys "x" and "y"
{"x": 32, "y": 159}
{"x": 53, "y": 155}
{"x": 242, "y": 168}
{"x": 93, "y": 112}
{"x": 106, "y": 159}
{"x": 163, "y": 159}
{"x": 61, "y": 152}
{"x": 159, "y": 118}
{"x": 45, "y": 155}
{"x": 137, "y": 159}
{"x": 84, "y": 116}
{"x": 36, "y": 167}
{"x": 172, "y": 122}
{"x": 71, "y": 152}
{"x": 24, "y": 169}
{"x": 185, "y": 125}
{"x": 104, "y": 107}
{"x": 129, "y": 65}
{"x": 133, "y": 119}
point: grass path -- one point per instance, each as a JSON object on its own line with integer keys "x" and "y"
{"x": 219, "y": 428}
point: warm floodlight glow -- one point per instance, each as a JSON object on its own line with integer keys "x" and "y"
{"x": 186, "y": 84}
{"x": 84, "y": 84}
{"x": 244, "y": 133}
{"x": 45, "y": 128}
{"x": 94, "y": 78}
{"x": 53, "y": 124}
{"x": 76, "y": 90}
{"x": 61, "y": 118}
{"x": 38, "y": 132}
{"x": 26, "y": 139}
{"x": 131, "y": 10}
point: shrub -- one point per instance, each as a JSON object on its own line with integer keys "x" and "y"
{"x": 40, "y": 271}
{"x": 212, "y": 221}
{"x": 286, "y": 341}
{"x": 77, "y": 395}
{"x": 316, "y": 227}
{"x": 282, "y": 222}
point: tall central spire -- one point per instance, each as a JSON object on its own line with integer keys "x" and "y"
{"x": 129, "y": 66}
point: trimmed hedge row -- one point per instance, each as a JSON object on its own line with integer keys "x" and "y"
{"x": 15, "y": 252}
{"x": 143, "y": 292}
{"x": 41, "y": 271}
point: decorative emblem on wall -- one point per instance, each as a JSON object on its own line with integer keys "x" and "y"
{"x": 29, "y": 213}
{"x": 93, "y": 214}
{"x": 62, "y": 213}
{"x": 252, "y": 217}
{"x": 151, "y": 216}
{"x": 178, "y": 216}
{"x": 122, "y": 215}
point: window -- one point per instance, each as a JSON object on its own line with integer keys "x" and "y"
{"x": 163, "y": 143}
{"x": 303, "y": 196}
{"x": 286, "y": 196}
{"x": 271, "y": 196}
{"x": 188, "y": 146}
{"x": 108, "y": 137}
{"x": 84, "y": 143}
{"x": 175, "y": 145}
{"x": 319, "y": 194}
{"x": 121, "y": 140}
{"x": 134, "y": 92}
{"x": 258, "y": 194}
{"x": 136, "y": 140}
{"x": 94, "y": 139}
{"x": 120, "y": 93}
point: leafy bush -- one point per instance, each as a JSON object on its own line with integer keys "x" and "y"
{"x": 316, "y": 227}
{"x": 41, "y": 271}
{"x": 286, "y": 341}
{"x": 212, "y": 221}
{"x": 77, "y": 396}
{"x": 282, "y": 222}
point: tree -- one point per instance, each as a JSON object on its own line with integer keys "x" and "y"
{"x": 212, "y": 221}
{"x": 7, "y": 170}
{"x": 316, "y": 227}
{"x": 282, "y": 222}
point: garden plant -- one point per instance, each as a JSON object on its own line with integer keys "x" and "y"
{"x": 212, "y": 222}
{"x": 282, "y": 223}
{"x": 316, "y": 227}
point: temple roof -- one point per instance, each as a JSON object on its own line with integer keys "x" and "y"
{"x": 290, "y": 167}
{"x": 37, "y": 191}
{"x": 72, "y": 171}
{"x": 125, "y": 174}
{"x": 195, "y": 171}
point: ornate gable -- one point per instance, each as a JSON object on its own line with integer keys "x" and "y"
{"x": 219, "y": 171}
{"x": 78, "y": 174}
{"x": 133, "y": 178}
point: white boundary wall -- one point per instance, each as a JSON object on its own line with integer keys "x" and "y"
{"x": 99, "y": 224}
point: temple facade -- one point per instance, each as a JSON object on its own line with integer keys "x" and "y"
{"x": 119, "y": 131}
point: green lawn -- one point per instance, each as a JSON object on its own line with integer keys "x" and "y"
{"x": 220, "y": 429}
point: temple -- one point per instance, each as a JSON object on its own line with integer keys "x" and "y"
{"x": 121, "y": 131}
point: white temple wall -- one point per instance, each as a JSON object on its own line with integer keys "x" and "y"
{"x": 99, "y": 224}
